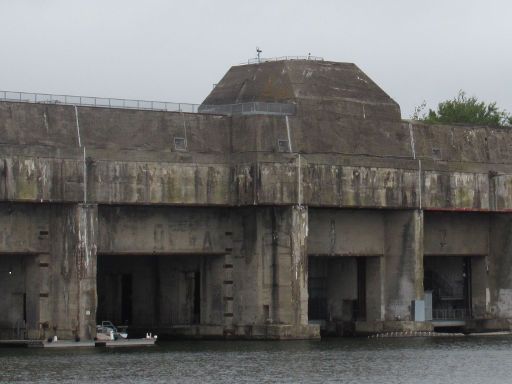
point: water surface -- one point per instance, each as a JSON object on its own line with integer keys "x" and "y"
{"x": 413, "y": 360}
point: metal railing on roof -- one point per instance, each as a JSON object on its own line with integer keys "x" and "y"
{"x": 250, "y": 108}
{"x": 90, "y": 101}
{"x": 257, "y": 60}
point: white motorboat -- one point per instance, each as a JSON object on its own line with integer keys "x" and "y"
{"x": 108, "y": 331}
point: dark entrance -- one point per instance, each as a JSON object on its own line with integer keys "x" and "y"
{"x": 19, "y": 296}
{"x": 155, "y": 292}
{"x": 449, "y": 279}
{"x": 338, "y": 289}
{"x": 317, "y": 288}
{"x": 360, "y": 303}
{"x": 126, "y": 298}
{"x": 197, "y": 298}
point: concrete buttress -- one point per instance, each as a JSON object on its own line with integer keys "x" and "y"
{"x": 72, "y": 296}
{"x": 403, "y": 263}
{"x": 275, "y": 254}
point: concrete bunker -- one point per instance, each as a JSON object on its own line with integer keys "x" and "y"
{"x": 230, "y": 214}
{"x": 169, "y": 295}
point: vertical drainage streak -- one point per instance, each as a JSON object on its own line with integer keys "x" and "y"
{"x": 411, "y": 134}
{"x": 413, "y": 149}
{"x": 85, "y": 177}
{"x": 299, "y": 182}
{"x": 419, "y": 180}
{"x": 77, "y": 127}
{"x": 288, "y": 133}
{"x": 184, "y": 130}
{"x": 83, "y": 158}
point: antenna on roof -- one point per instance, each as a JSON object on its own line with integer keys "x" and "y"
{"x": 258, "y": 52}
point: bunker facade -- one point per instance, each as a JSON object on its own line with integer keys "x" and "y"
{"x": 295, "y": 201}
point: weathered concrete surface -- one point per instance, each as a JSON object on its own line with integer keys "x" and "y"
{"x": 33, "y": 219}
{"x": 163, "y": 230}
{"x": 336, "y": 168}
{"x": 391, "y": 245}
{"x": 403, "y": 263}
{"x": 340, "y": 88}
{"x": 463, "y": 234}
{"x": 270, "y": 272}
{"x": 236, "y": 209}
{"x": 53, "y": 125}
{"x": 72, "y": 277}
{"x": 56, "y": 248}
{"x": 499, "y": 267}
{"x": 346, "y": 233}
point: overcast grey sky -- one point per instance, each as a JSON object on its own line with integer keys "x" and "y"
{"x": 175, "y": 50}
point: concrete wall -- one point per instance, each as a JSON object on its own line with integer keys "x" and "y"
{"x": 130, "y": 158}
{"x": 346, "y": 232}
{"x": 456, "y": 234}
{"x": 24, "y": 228}
{"x": 55, "y": 125}
{"x": 166, "y": 230}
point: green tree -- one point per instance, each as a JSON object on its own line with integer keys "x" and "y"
{"x": 464, "y": 109}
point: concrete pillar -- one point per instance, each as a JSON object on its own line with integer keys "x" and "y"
{"x": 72, "y": 281}
{"x": 403, "y": 258}
{"x": 288, "y": 267}
{"x": 299, "y": 263}
{"x": 480, "y": 293}
{"x": 87, "y": 222}
{"x": 270, "y": 287}
{"x": 499, "y": 268}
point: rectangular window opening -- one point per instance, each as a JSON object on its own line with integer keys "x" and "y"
{"x": 180, "y": 144}
{"x": 282, "y": 145}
